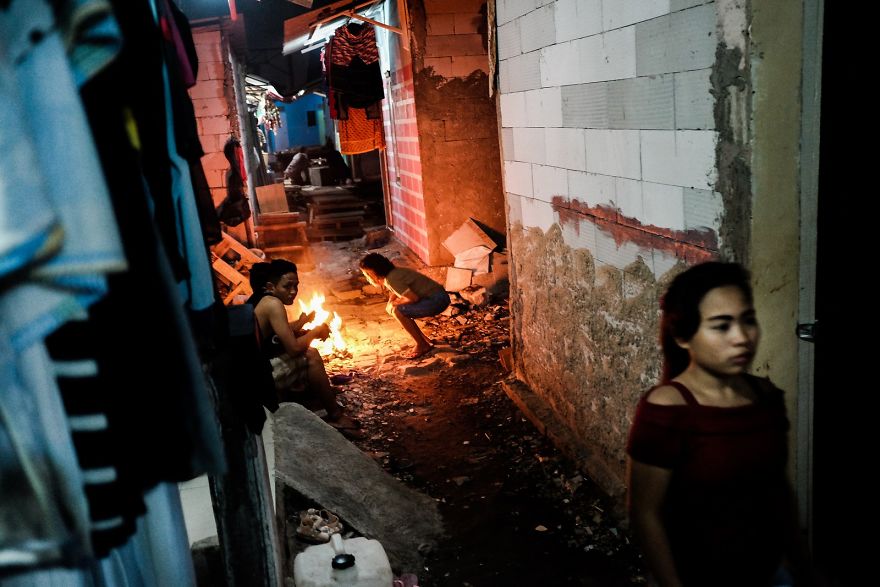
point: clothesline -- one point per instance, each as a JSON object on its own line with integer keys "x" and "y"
{"x": 352, "y": 13}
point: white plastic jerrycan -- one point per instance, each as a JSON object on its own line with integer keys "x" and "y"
{"x": 357, "y": 562}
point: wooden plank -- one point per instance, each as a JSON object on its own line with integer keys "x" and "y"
{"x": 285, "y": 248}
{"x": 291, "y": 227}
{"x": 271, "y": 198}
{"x": 227, "y": 272}
{"x": 277, "y": 218}
{"x": 248, "y": 258}
{"x": 333, "y": 232}
{"x": 352, "y": 214}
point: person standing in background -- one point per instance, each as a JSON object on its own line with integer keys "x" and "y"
{"x": 298, "y": 167}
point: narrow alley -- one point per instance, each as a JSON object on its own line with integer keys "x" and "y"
{"x": 515, "y": 510}
{"x": 606, "y": 231}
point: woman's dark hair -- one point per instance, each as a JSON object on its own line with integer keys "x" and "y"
{"x": 681, "y": 308}
{"x": 271, "y": 272}
{"x": 378, "y": 264}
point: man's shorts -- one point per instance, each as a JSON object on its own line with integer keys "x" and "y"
{"x": 429, "y": 306}
{"x": 290, "y": 373}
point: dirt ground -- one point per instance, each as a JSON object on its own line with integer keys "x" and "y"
{"x": 516, "y": 511}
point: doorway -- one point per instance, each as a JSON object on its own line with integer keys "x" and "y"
{"x": 838, "y": 500}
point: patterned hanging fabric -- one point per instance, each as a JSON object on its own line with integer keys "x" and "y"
{"x": 351, "y": 63}
{"x": 360, "y": 134}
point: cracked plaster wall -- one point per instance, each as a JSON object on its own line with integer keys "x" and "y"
{"x": 583, "y": 336}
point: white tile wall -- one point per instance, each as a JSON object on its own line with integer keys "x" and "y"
{"x": 559, "y": 65}
{"x": 544, "y": 107}
{"x": 585, "y": 105}
{"x": 509, "y": 41}
{"x": 591, "y": 189}
{"x": 685, "y": 158}
{"x": 681, "y": 41}
{"x": 663, "y": 176}
{"x": 538, "y": 29}
{"x": 641, "y": 103}
{"x": 613, "y": 152}
{"x": 507, "y": 144}
{"x": 524, "y": 72}
{"x": 537, "y": 214}
{"x": 529, "y": 145}
{"x": 628, "y": 197}
{"x": 702, "y": 209}
{"x": 513, "y": 109}
{"x": 514, "y": 209}
{"x": 565, "y": 148}
{"x": 504, "y": 76}
{"x": 663, "y": 262}
{"x": 580, "y": 235}
{"x": 507, "y": 10}
{"x": 620, "y": 13}
{"x": 607, "y": 56}
{"x": 675, "y": 5}
{"x": 577, "y": 18}
{"x": 518, "y": 178}
{"x": 694, "y": 103}
{"x": 549, "y": 182}
{"x": 664, "y": 205}
{"x": 619, "y": 256}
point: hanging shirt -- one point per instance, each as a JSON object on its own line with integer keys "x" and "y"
{"x": 354, "y": 66}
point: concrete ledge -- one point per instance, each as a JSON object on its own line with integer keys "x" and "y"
{"x": 315, "y": 464}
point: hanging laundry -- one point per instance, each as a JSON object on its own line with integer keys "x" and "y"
{"x": 352, "y": 66}
{"x": 360, "y": 134}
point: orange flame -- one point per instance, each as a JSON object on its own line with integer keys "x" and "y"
{"x": 334, "y": 342}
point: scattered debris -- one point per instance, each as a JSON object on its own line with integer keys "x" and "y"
{"x": 475, "y": 295}
{"x": 445, "y": 427}
{"x": 376, "y": 238}
{"x": 458, "y": 279}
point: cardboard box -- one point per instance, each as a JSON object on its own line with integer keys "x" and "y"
{"x": 468, "y": 236}
{"x": 471, "y": 247}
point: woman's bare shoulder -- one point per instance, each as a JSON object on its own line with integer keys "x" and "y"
{"x": 665, "y": 395}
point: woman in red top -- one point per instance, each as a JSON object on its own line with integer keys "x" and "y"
{"x": 708, "y": 494}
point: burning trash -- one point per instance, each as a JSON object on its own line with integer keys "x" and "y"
{"x": 334, "y": 343}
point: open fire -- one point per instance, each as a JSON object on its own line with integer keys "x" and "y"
{"x": 334, "y": 343}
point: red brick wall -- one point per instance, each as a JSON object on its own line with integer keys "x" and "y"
{"x": 216, "y": 116}
{"x": 215, "y": 113}
{"x": 454, "y": 46}
{"x": 403, "y": 159}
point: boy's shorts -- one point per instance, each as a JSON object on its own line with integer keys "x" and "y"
{"x": 429, "y": 306}
{"x": 290, "y": 373}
